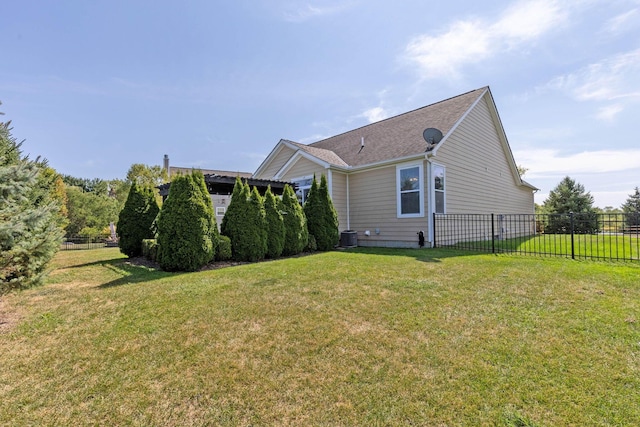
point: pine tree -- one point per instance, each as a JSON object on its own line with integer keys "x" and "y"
{"x": 184, "y": 227}
{"x": 258, "y": 226}
{"x": 322, "y": 219}
{"x": 313, "y": 211}
{"x": 30, "y": 216}
{"x": 214, "y": 234}
{"x": 631, "y": 208}
{"x": 245, "y": 224}
{"x": 135, "y": 219}
{"x": 275, "y": 225}
{"x": 233, "y": 224}
{"x": 570, "y": 197}
{"x": 295, "y": 223}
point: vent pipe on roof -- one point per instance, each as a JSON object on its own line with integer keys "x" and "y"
{"x": 361, "y": 143}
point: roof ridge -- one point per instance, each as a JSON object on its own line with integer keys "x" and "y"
{"x": 397, "y": 115}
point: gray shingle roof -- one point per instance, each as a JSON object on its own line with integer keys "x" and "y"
{"x": 321, "y": 153}
{"x": 393, "y": 138}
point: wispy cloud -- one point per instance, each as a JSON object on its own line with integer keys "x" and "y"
{"x": 303, "y": 12}
{"x": 527, "y": 20}
{"x": 622, "y": 23}
{"x": 375, "y": 114}
{"x": 466, "y": 42}
{"x": 609, "y": 112}
{"x": 615, "y": 80}
{"x": 547, "y": 163}
{"x": 612, "y": 78}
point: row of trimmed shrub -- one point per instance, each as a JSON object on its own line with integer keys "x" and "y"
{"x": 223, "y": 250}
{"x": 184, "y": 236}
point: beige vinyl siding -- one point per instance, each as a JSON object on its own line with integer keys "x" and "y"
{"x": 479, "y": 178}
{"x": 373, "y": 205}
{"x": 303, "y": 167}
{"x": 279, "y": 160}
{"x": 338, "y": 192}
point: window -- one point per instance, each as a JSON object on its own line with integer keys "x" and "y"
{"x": 438, "y": 188}
{"x": 220, "y": 210}
{"x": 303, "y": 186}
{"x": 410, "y": 190}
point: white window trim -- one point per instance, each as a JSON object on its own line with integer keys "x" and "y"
{"x": 432, "y": 187}
{"x": 220, "y": 210}
{"x": 400, "y": 167}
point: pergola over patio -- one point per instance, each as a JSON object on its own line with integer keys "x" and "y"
{"x": 223, "y": 184}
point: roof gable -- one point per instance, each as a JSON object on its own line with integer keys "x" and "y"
{"x": 400, "y": 136}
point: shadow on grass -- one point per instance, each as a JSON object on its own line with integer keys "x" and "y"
{"x": 113, "y": 261}
{"x": 133, "y": 273}
{"x": 424, "y": 254}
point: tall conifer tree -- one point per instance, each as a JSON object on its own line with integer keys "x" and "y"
{"x": 295, "y": 223}
{"x": 631, "y": 208}
{"x": 30, "y": 216}
{"x": 135, "y": 219}
{"x": 322, "y": 219}
{"x": 275, "y": 225}
{"x": 184, "y": 230}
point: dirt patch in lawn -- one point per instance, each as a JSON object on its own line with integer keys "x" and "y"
{"x": 9, "y": 317}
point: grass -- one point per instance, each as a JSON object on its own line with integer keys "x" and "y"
{"x": 358, "y": 337}
{"x": 586, "y": 246}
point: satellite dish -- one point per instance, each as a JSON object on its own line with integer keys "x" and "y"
{"x": 432, "y": 136}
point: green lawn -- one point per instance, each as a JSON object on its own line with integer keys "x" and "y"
{"x": 358, "y": 337}
{"x": 585, "y": 246}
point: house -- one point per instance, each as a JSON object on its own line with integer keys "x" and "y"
{"x": 388, "y": 178}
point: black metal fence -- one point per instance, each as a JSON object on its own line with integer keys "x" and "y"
{"x": 80, "y": 243}
{"x": 576, "y": 236}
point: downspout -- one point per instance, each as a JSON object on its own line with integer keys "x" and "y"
{"x": 430, "y": 202}
{"x": 348, "y": 206}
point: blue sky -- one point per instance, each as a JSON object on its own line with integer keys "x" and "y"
{"x": 95, "y": 86}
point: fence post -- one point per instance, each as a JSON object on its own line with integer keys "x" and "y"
{"x": 434, "y": 230}
{"x": 493, "y": 236}
{"x": 573, "y": 252}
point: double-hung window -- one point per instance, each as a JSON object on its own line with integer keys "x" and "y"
{"x": 410, "y": 190}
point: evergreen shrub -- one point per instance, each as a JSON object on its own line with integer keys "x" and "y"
{"x": 312, "y": 246}
{"x": 184, "y": 226}
{"x": 135, "y": 219}
{"x": 295, "y": 223}
{"x": 223, "y": 253}
{"x": 322, "y": 219}
{"x": 275, "y": 225}
{"x": 150, "y": 249}
{"x": 244, "y": 223}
